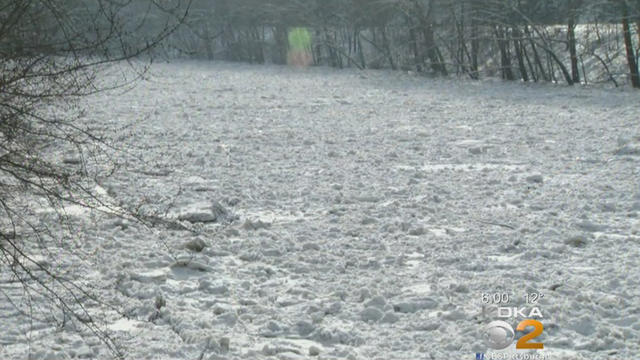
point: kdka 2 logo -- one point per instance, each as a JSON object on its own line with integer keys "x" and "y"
{"x": 499, "y": 334}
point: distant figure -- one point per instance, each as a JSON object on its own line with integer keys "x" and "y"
{"x": 299, "y": 47}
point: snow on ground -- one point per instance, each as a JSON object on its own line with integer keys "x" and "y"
{"x": 348, "y": 215}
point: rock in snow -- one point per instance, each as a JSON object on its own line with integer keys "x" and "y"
{"x": 377, "y": 302}
{"x": 629, "y": 149}
{"x": 414, "y": 305}
{"x": 390, "y": 318}
{"x": 314, "y": 350}
{"x": 577, "y": 241}
{"x": 195, "y": 245}
{"x": 371, "y": 314}
{"x": 590, "y": 226}
{"x": 535, "y": 179}
{"x": 205, "y": 213}
{"x": 255, "y": 224}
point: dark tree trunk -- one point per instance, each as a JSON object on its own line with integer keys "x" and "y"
{"x": 475, "y": 43}
{"x": 231, "y": 44}
{"x": 551, "y": 67}
{"x": 571, "y": 42}
{"x": 536, "y": 55}
{"x": 628, "y": 42}
{"x": 424, "y": 19}
{"x": 517, "y": 44}
{"x": 331, "y": 51}
{"x": 432, "y": 52}
{"x": 413, "y": 43}
{"x": 443, "y": 67}
{"x": 358, "y": 41}
{"x": 584, "y": 71}
{"x": 256, "y": 45}
{"x": 336, "y": 51}
{"x": 207, "y": 42}
{"x": 317, "y": 50}
{"x": 532, "y": 69}
{"x": 350, "y": 42}
{"x": 282, "y": 46}
{"x": 387, "y": 48}
{"x": 463, "y": 50}
{"x": 565, "y": 72}
{"x": 505, "y": 56}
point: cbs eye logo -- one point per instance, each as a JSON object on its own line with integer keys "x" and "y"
{"x": 499, "y": 335}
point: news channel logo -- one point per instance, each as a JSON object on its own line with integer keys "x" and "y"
{"x": 499, "y": 334}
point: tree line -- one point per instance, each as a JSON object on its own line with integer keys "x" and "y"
{"x": 557, "y": 40}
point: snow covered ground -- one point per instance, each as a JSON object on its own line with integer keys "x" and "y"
{"x": 359, "y": 215}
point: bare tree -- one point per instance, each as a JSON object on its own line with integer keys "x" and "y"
{"x": 51, "y": 56}
{"x": 573, "y": 6}
{"x": 628, "y": 42}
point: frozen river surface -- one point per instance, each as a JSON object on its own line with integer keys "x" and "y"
{"x": 348, "y": 215}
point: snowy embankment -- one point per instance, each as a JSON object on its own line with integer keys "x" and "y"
{"x": 344, "y": 215}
